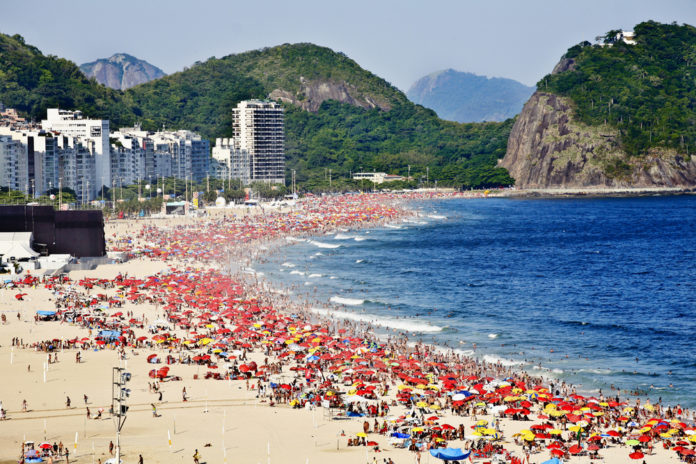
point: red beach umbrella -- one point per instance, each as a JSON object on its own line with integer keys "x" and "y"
{"x": 636, "y": 455}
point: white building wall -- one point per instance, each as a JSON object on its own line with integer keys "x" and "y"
{"x": 96, "y": 130}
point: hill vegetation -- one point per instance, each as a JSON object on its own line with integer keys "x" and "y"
{"x": 646, "y": 91}
{"x": 360, "y": 122}
{"x": 467, "y": 97}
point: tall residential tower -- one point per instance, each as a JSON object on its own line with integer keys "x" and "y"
{"x": 259, "y": 130}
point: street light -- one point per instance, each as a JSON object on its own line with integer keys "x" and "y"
{"x": 119, "y": 395}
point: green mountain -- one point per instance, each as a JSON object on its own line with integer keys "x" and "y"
{"x": 121, "y": 71}
{"x": 467, "y": 97}
{"x": 618, "y": 113}
{"x": 32, "y": 82}
{"x": 338, "y": 115}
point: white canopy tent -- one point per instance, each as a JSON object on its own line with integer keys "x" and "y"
{"x": 16, "y": 245}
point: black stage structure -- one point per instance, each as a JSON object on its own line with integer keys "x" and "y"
{"x": 78, "y": 233}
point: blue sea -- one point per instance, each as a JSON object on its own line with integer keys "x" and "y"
{"x": 597, "y": 292}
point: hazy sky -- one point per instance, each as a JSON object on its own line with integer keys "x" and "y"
{"x": 400, "y": 41}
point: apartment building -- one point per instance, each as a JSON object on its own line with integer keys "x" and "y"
{"x": 72, "y": 123}
{"x": 230, "y": 162}
{"x": 259, "y": 130}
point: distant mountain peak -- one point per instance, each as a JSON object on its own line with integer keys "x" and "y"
{"x": 121, "y": 71}
{"x": 468, "y": 97}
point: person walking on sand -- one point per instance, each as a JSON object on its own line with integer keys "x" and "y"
{"x": 140, "y": 459}
{"x": 196, "y": 457}
{"x": 154, "y": 409}
{"x": 24, "y": 405}
{"x": 111, "y": 448}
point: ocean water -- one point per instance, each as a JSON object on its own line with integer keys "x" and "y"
{"x": 597, "y": 292}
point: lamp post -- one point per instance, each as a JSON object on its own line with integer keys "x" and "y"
{"x": 119, "y": 394}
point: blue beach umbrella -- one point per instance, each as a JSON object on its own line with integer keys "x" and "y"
{"x": 450, "y": 454}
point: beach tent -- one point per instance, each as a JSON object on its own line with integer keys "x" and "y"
{"x": 109, "y": 334}
{"x": 450, "y": 454}
{"x": 46, "y": 313}
{"x": 16, "y": 245}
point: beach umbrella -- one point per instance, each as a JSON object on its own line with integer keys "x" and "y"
{"x": 632, "y": 442}
{"x": 636, "y": 455}
{"x": 45, "y": 445}
{"x": 552, "y": 461}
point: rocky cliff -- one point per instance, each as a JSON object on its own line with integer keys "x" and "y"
{"x": 121, "y": 71}
{"x": 312, "y": 94}
{"x": 548, "y": 148}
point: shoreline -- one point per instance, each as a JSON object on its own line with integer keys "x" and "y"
{"x": 594, "y": 192}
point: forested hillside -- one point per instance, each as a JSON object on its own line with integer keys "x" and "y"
{"x": 647, "y": 91}
{"x": 338, "y": 115}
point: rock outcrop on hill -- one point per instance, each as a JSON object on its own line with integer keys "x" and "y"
{"x": 312, "y": 94}
{"x": 121, "y": 71}
{"x": 548, "y": 148}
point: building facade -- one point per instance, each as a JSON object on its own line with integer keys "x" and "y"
{"x": 230, "y": 162}
{"x": 72, "y": 123}
{"x": 259, "y": 129}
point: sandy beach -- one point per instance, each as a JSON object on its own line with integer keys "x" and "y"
{"x": 228, "y": 420}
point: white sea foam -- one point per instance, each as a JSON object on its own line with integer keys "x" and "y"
{"x": 333, "y": 277}
{"x": 346, "y": 301}
{"x": 342, "y": 237}
{"x": 596, "y": 371}
{"x": 504, "y": 361}
{"x": 296, "y": 272}
{"x": 318, "y": 253}
{"x": 294, "y": 239}
{"x": 323, "y": 245}
{"x": 314, "y": 276}
{"x": 359, "y": 239}
{"x": 557, "y": 371}
{"x": 358, "y": 261}
{"x": 407, "y": 325}
{"x": 492, "y": 335}
{"x": 436, "y": 216}
{"x": 288, "y": 265}
{"x": 308, "y": 283}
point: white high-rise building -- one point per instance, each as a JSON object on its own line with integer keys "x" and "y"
{"x": 72, "y": 124}
{"x": 76, "y": 167}
{"x": 10, "y": 151}
{"x": 259, "y": 130}
{"x": 232, "y": 162}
